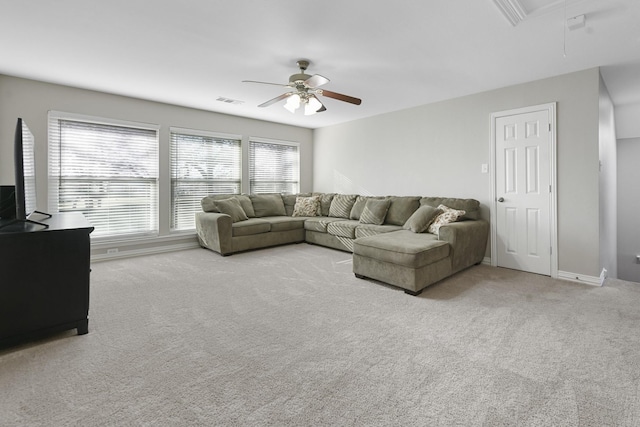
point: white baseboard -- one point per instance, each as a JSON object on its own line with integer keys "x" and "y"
{"x": 580, "y": 278}
{"x": 567, "y": 275}
{"x": 144, "y": 251}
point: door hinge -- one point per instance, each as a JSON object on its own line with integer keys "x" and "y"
{"x": 549, "y": 127}
{"x": 549, "y": 188}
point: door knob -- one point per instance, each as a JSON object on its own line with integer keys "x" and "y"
{"x": 501, "y": 199}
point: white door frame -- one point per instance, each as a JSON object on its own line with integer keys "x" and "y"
{"x": 553, "y": 210}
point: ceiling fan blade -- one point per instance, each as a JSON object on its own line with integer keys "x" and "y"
{"x": 322, "y": 107}
{"x": 266, "y": 83}
{"x": 341, "y": 97}
{"x": 276, "y": 99}
{"x": 316, "y": 80}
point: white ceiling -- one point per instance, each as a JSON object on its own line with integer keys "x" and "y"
{"x": 393, "y": 55}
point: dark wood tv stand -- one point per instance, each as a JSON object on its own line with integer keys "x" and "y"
{"x": 44, "y": 278}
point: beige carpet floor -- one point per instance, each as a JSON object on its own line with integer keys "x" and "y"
{"x": 288, "y": 336}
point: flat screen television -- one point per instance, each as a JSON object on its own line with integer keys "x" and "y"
{"x": 25, "y": 175}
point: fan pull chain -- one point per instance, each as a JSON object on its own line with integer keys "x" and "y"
{"x": 564, "y": 28}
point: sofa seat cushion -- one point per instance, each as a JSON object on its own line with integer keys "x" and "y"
{"x": 250, "y": 227}
{"x": 284, "y": 223}
{"x": 403, "y": 247}
{"x": 364, "y": 230}
{"x": 345, "y": 228}
{"x": 320, "y": 224}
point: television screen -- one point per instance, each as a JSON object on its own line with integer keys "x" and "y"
{"x": 25, "y": 165}
{"x": 25, "y": 188}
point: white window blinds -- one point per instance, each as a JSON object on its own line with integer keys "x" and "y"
{"x": 274, "y": 167}
{"x": 202, "y": 163}
{"x": 109, "y": 172}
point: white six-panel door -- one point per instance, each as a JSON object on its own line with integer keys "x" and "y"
{"x": 522, "y": 191}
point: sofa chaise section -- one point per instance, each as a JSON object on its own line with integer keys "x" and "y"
{"x": 413, "y": 261}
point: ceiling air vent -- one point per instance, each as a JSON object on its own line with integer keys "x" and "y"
{"x": 229, "y": 100}
{"x": 512, "y": 10}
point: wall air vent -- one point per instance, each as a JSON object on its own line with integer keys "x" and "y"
{"x": 229, "y": 101}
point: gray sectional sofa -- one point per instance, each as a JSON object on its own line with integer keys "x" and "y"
{"x": 408, "y": 242}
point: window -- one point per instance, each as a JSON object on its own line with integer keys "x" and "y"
{"x": 274, "y": 167}
{"x": 107, "y": 170}
{"x": 202, "y": 163}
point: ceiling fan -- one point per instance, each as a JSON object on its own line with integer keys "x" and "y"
{"x": 304, "y": 91}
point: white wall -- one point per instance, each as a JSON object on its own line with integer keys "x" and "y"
{"x": 627, "y": 122}
{"x": 628, "y": 209}
{"x": 438, "y": 149}
{"x": 608, "y": 184}
{"x": 31, "y": 100}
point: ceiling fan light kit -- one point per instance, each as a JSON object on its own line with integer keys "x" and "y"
{"x": 304, "y": 90}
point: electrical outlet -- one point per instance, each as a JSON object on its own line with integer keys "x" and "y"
{"x": 112, "y": 251}
{"x": 484, "y": 168}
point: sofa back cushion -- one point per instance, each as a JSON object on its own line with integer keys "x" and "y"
{"x": 470, "y": 206}
{"x": 208, "y": 204}
{"x": 325, "y": 202}
{"x": 341, "y": 205}
{"x": 270, "y": 204}
{"x": 401, "y": 208}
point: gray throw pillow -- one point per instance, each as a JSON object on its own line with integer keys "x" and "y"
{"x": 375, "y": 211}
{"x": 246, "y": 204}
{"x": 325, "y": 202}
{"x": 358, "y": 207}
{"x": 421, "y": 219}
{"x": 268, "y": 205}
{"x": 341, "y": 205}
{"x": 231, "y": 207}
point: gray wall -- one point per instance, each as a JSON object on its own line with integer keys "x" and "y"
{"x": 608, "y": 184}
{"x": 628, "y": 208}
{"x": 31, "y": 100}
{"x": 438, "y": 149}
{"x": 627, "y": 123}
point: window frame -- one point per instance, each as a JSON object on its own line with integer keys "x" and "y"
{"x": 205, "y": 134}
{"x": 54, "y": 173}
{"x": 260, "y": 140}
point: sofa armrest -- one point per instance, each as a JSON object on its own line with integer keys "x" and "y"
{"x": 468, "y": 240}
{"x": 214, "y": 231}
